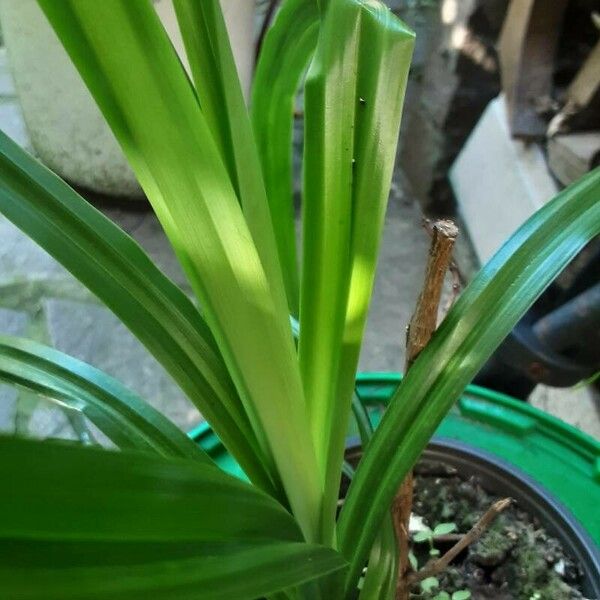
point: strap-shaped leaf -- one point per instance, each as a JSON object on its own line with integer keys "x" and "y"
{"x": 284, "y": 57}
{"x": 128, "y": 63}
{"x": 127, "y": 420}
{"x": 59, "y": 491}
{"x": 362, "y": 419}
{"x": 221, "y": 98}
{"x": 486, "y": 312}
{"x": 382, "y": 567}
{"x": 87, "y": 523}
{"x": 353, "y": 103}
{"x": 329, "y": 100}
{"x": 386, "y": 49}
{"x": 114, "y": 267}
{"x": 210, "y": 573}
{"x": 381, "y": 578}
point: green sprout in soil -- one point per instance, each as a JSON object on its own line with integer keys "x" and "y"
{"x": 432, "y": 583}
{"x": 429, "y": 535}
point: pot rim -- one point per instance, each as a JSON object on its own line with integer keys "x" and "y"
{"x": 537, "y": 443}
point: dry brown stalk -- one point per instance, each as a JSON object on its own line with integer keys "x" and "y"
{"x": 420, "y": 329}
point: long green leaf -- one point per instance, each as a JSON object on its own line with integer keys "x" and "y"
{"x": 284, "y": 57}
{"x": 129, "y": 65}
{"x": 329, "y": 100}
{"x": 353, "y": 102}
{"x": 486, "y": 312}
{"x": 322, "y": 4}
{"x": 243, "y": 573}
{"x": 380, "y": 580}
{"x": 87, "y": 523}
{"x": 362, "y": 419}
{"x": 126, "y": 419}
{"x": 114, "y": 267}
{"x": 383, "y": 65}
{"x": 59, "y": 491}
{"x": 221, "y": 98}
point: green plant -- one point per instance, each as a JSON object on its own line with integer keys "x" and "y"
{"x": 458, "y": 595}
{"x": 158, "y": 519}
{"x": 429, "y": 585}
{"x": 428, "y": 535}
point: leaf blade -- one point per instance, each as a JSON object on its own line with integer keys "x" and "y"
{"x": 444, "y": 528}
{"x": 232, "y": 573}
{"x": 326, "y": 210}
{"x": 486, "y": 312}
{"x": 126, "y": 419}
{"x": 61, "y": 491}
{"x": 285, "y": 54}
{"x": 220, "y": 94}
{"x": 381, "y": 578}
{"x": 114, "y": 267}
{"x": 354, "y": 95}
{"x": 153, "y": 111}
{"x": 87, "y": 523}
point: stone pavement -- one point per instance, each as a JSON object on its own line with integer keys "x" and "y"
{"x": 41, "y": 301}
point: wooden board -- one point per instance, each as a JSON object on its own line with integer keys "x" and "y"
{"x": 527, "y": 48}
{"x": 573, "y": 155}
{"x": 586, "y": 84}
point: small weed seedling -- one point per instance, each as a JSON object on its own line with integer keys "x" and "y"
{"x": 429, "y": 535}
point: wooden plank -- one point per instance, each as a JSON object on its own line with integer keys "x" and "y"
{"x": 527, "y": 48}
{"x": 573, "y": 155}
{"x": 586, "y": 85}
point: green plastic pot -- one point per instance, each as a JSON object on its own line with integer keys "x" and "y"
{"x": 559, "y": 458}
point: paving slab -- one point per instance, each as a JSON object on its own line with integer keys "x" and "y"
{"x": 47, "y": 420}
{"x": 21, "y": 259}
{"x": 141, "y": 223}
{"x": 7, "y": 85}
{"x": 13, "y": 126}
{"x": 93, "y": 334}
{"x": 499, "y": 182}
{"x": 12, "y": 322}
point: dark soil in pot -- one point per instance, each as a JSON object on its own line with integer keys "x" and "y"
{"x": 520, "y": 557}
{"x": 515, "y": 559}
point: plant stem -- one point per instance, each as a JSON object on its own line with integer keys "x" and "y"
{"x": 420, "y": 329}
{"x": 437, "y": 566}
{"x": 424, "y": 320}
{"x": 401, "y": 509}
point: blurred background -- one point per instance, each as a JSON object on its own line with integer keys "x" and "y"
{"x": 502, "y": 112}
